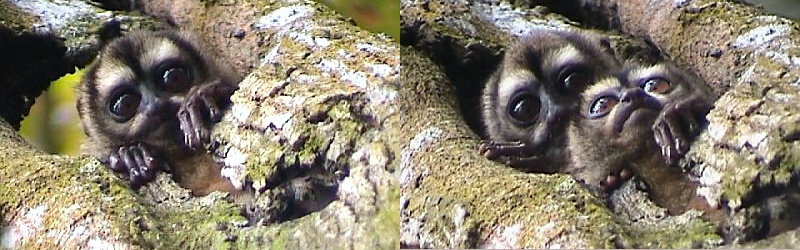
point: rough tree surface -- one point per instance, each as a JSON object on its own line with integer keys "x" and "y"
{"x": 317, "y": 101}
{"x": 452, "y": 197}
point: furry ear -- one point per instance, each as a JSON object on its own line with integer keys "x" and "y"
{"x": 111, "y": 29}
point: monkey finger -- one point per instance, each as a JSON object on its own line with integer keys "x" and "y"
{"x": 699, "y": 110}
{"x": 139, "y": 170}
{"x": 482, "y": 147}
{"x": 134, "y": 173}
{"x": 214, "y": 113}
{"x": 149, "y": 160}
{"x": 200, "y": 132}
{"x": 145, "y": 170}
{"x": 664, "y": 140}
{"x": 489, "y": 150}
{"x": 127, "y": 159}
{"x": 189, "y": 129}
{"x": 679, "y": 136}
{"x": 116, "y": 164}
{"x": 186, "y": 126}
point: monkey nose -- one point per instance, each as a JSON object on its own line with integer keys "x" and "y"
{"x": 633, "y": 95}
{"x": 156, "y": 107}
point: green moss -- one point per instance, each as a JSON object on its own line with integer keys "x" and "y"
{"x": 15, "y": 18}
{"x": 279, "y": 242}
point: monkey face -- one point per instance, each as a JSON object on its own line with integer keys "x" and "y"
{"x": 529, "y": 99}
{"x": 625, "y": 108}
{"x": 137, "y": 83}
{"x": 642, "y": 120}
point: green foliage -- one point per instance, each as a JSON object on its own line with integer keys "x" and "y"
{"x": 53, "y": 124}
{"x": 374, "y": 15}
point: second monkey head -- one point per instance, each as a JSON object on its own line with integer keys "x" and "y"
{"x": 644, "y": 118}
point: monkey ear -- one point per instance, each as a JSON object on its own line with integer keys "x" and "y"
{"x": 605, "y": 45}
{"x": 108, "y": 31}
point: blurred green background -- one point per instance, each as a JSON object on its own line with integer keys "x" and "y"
{"x": 53, "y": 124}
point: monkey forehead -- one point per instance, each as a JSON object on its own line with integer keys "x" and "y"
{"x": 110, "y": 73}
{"x": 568, "y": 54}
{"x": 600, "y": 88}
{"x": 512, "y": 81}
{"x": 638, "y": 74}
{"x": 158, "y": 50}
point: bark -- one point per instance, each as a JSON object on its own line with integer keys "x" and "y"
{"x": 317, "y": 102}
{"x": 746, "y": 160}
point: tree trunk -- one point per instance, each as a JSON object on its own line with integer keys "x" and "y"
{"x": 745, "y": 161}
{"x": 317, "y": 102}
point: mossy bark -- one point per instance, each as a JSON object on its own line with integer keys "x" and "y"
{"x": 746, "y": 158}
{"x": 318, "y": 99}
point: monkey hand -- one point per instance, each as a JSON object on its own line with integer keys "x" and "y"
{"x": 677, "y": 125}
{"x": 519, "y": 155}
{"x": 494, "y": 150}
{"x": 136, "y": 163}
{"x": 202, "y": 107}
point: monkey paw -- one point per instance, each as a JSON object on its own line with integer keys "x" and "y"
{"x": 135, "y": 162}
{"x": 615, "y": 180}
{"x": 202, "y": 107}
{"x": 677, "y": 125}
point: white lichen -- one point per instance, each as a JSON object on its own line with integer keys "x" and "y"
{"x": 53, "y": 15}
{"x": 22, "y": 227}
{"x": 331, "y": 67}
{"x": 283, "y": 17}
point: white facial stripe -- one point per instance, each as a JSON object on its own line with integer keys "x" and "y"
{"x": 110, "y": 73}
{"x": 603, "y": 85}
{"x": 511, "y": 82}
{"x": 162, "y": 49}
{"x": 641, "y": 73}
{"x": 565, "y": 55}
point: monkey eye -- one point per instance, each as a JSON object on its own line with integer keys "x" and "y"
{"x": 656, "y": 85}
{"x": 602, "y": 106}
{"x": 524, "y": 108}
{"x": 175, "y": 79}
{"x": 573, "y": 80}
{"x": 124, "y": 105}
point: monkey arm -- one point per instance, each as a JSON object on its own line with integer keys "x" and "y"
{"x": 203, "y": 106}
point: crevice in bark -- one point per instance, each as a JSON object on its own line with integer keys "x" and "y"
{"x": 466, "y": 65}
{"x": 30, "y": 62}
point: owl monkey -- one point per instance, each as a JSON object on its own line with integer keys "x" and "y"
{"x": 527, "y": 102}
{"x": 644, "y": 119}
{"x": 147, "y": 103}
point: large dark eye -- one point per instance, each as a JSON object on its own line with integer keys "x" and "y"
{"x": 175, "y": 79}
{"x": 573, "y": 80}
{"x": 602, "y": 106}
{"x": 124, "y": 105}
{"x": 656, "y": 85}
{"x": 524, "y": 108}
